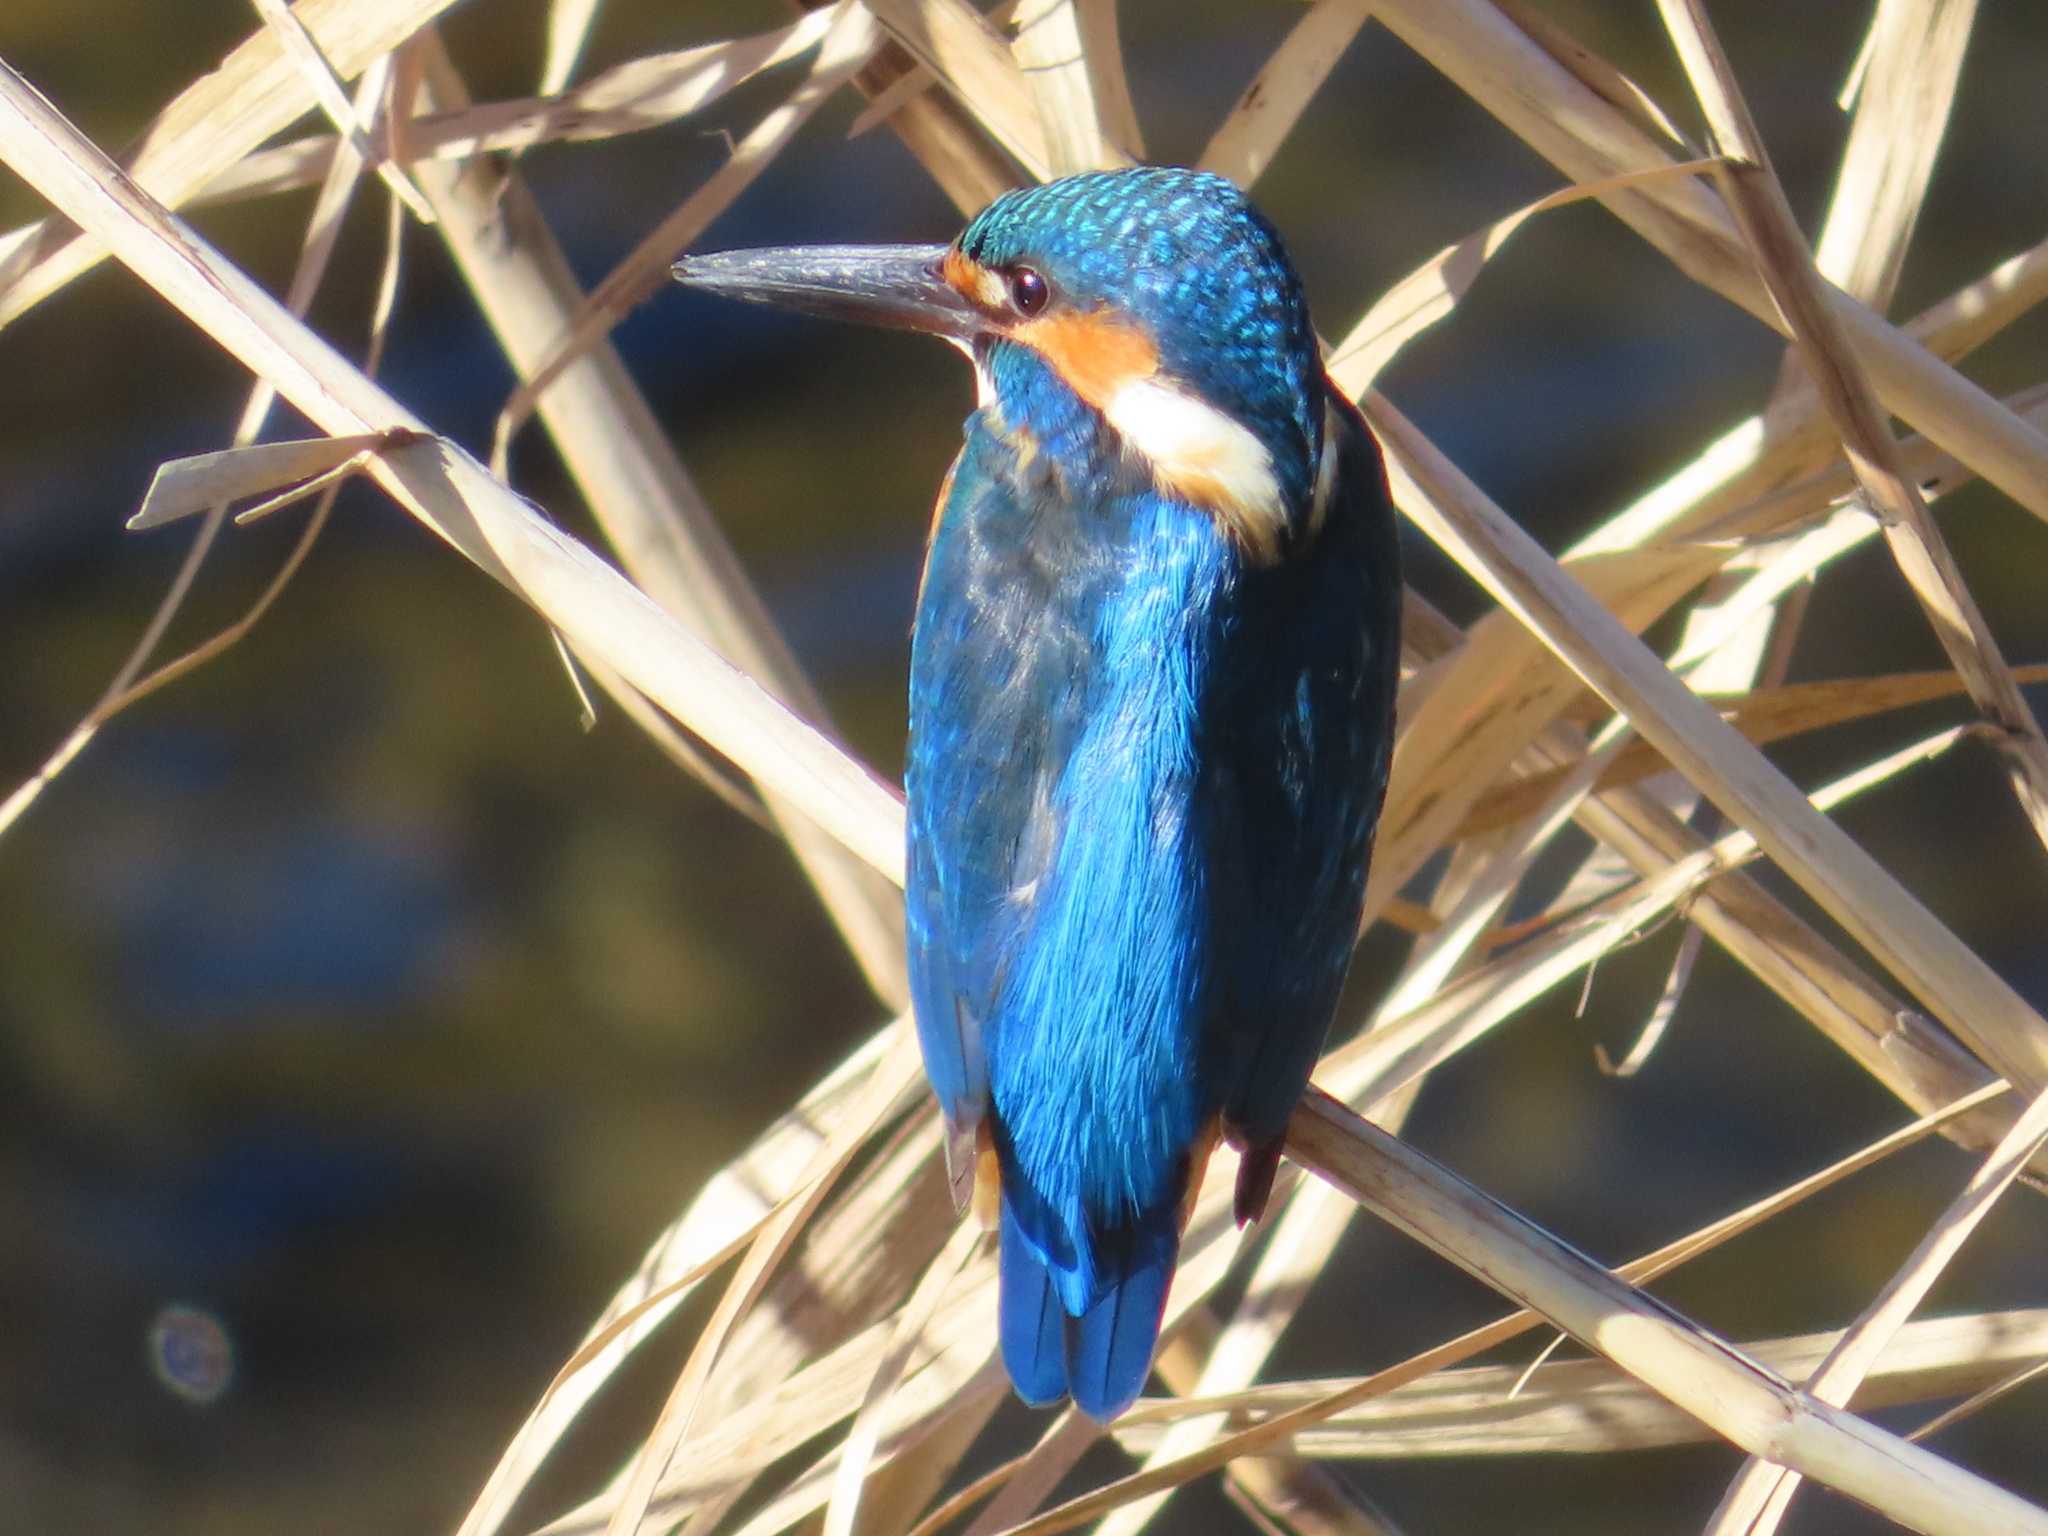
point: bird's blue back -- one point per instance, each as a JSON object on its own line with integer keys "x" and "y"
{"x": 1143, "y": 773}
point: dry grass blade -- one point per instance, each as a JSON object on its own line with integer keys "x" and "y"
{"x": 1787, "y": 270}
{"x": 725, "y": 1215}
{"x": 1762, "y": 456}
{"x": 638, "y": 490}
{"x": 725, "y": 786}
{"x": 438, "y": 483}
{"x": 1244, "y": 143}
{"x": 910, "y": 1463}
{"x": 1102, "y": 41}
{"x": 1432, "y": 290}
{"x": 333, "y": 101}
{"x": 210, "y": 482}
{"x": 1977, "y": 1401}
{"x": 1900, "y": 1048}
{"x": 883, "y": 1229}
{"x": 1956, "y": 984}
{"x": 631, "y": 98}
{"x": 899, "y": 1493}
{"x": 569, "y": 26}
{"x": 1762, "y": 716}
{"x": 1579, "y": 1407}
{"x": 942, "y": 135}
{"x": 859, "y": 1448}
{"x": 972, "y": 61}
{"x": 224, "y": 115}
{"x": 729, "y": 1449}
{"x": 1598, "y": 75}
{"x": 1676, "y": 1359}
{"x": 1975, "y": 313}
{"x": 1462, "y": 926}
{"x": 1398, "y": 1050}
{"x": 1034, "y": 1475}
{"x": 126, "y": 689}
{"x": 898, "y": 1068}
{"x": 1905, "y": 92}
{"x": 1496, "y": 696}
{"x": 849, "y": 42}
{"x": 1756, "y": 1500}
{"x": 1585, "y": 136}
{"x": 1068, "y": 82}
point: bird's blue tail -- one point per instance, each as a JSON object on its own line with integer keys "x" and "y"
{"x": 1101, "y": 1358}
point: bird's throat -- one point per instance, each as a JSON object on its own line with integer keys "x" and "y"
{"x": 1093, "y": 402}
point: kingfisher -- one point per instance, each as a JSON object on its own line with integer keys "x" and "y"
{"x": 1152, "y": 689}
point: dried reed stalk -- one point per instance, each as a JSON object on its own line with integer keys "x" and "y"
{"x": 1546, "y": 712}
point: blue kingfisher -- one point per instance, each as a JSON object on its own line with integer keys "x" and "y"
{"x": 1151, "y": 707}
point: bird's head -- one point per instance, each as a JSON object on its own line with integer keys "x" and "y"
{"x": 1159, "y": 300}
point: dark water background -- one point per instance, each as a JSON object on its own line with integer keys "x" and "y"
{"x": 352, "y": 996}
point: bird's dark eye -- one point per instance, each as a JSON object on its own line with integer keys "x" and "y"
{"x": 1028, "y": 291}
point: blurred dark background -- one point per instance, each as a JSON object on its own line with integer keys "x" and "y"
{"x": 361, "y": 1018}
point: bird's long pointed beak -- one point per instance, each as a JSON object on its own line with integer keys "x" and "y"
{"x": 893, "y": 285}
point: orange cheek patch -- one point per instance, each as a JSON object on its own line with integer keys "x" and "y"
{"x": 1094, "y": 352}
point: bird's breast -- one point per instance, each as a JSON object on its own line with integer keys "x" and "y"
{"x": 1059, "y": 668}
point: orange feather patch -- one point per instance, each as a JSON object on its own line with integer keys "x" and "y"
{"x": 1198, "y": 1166}
{"x": 971, "y": 280}
{"x": 988, "y": 1179}
{"x": 1094, "y": 351}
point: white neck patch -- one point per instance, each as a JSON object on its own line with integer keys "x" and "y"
{"x": 1201, "y": 454}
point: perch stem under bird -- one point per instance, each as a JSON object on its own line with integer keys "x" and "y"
{"x": 1151, "y": 708}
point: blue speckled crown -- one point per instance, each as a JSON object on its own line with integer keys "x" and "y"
{"x": 1201, "y": 269}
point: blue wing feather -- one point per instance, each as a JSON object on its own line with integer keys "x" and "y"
{"x": 1296, "y": 787}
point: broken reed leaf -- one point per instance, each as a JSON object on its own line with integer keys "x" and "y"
{"x": 184, "y": 487}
